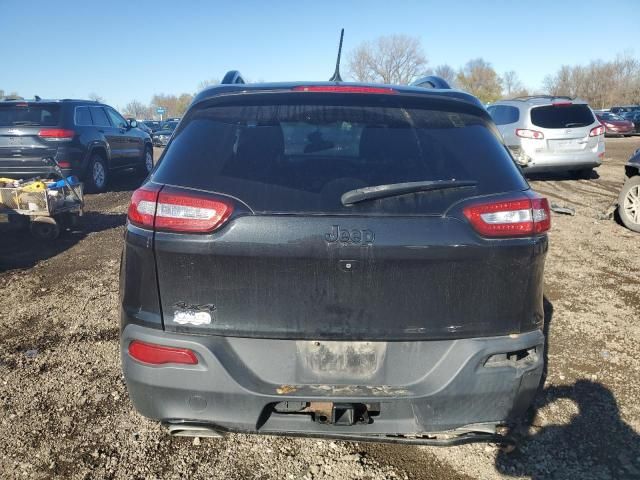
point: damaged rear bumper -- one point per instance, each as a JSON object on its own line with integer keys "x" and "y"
{"x": 368, "y": 390}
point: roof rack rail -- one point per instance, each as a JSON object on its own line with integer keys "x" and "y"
{"x": 232, "y": 77}
{"x": 430, "y": 81}
{"x": 546, "y": 97}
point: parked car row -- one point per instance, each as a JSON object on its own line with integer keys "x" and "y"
{"x": 633, "y": 117}
{"x": 616, "y": 125}
{"x": 625, "y": 109}
{"x": 161, "y": 136}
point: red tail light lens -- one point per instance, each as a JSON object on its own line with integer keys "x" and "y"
{"x": 56, "y": 134}
{"x": 64, "y": 164}
{"x": 561, "y": 104}
{"x": 344, "y": 89}
{"x": 599, "y": 130}
{"x": 159, "y": 355}
{"x": 142, "y": 209}
{"x": 510, "y": 218}
{"x": 176, "y": 210}
{"x": 526, "y": 133}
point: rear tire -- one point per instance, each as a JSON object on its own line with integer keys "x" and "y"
{"x": 45, "y": 230}
{"x": 97, "y": 175}
{"x": 147, "y": 162}
{"x": 629, "y": 204}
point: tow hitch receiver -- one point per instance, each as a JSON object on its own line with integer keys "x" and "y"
{"x": 344, "y": 414}
{"x": 330, "y": 413}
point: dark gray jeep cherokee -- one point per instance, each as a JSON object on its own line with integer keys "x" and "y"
{"x": 334, "y": 260}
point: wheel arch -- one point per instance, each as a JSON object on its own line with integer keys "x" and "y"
{"x": 631, "y": 170}
{"x": 101, "y": 149}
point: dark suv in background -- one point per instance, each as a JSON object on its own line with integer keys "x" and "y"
{"x": 336, "y": 260}
{"x": 87, "y": 139}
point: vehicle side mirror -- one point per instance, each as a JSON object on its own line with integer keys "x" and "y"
{"x": 133, "y": 123}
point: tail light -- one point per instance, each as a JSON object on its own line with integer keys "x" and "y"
{"x": 343, "y": 89}
{"x": 526, "y": 133}
{"x": 142, "y": 209}
{"x": 64, "y": 164}
{"x": 159, "y": 354}
{"x": 177, "y": 210}
{"x": 599, "y": 130}
{"x": 56, "y": 134}
{"x": 510, "y": 218}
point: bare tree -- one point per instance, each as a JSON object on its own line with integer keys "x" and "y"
{"x": 395, "y": 59}
{"x": 10, "y": 96}
{"x": 95, "y": 97}
{"x": 512, "y": 86}
{"x": 208, "y": 83}
{"x": 479, "y": 78}
{"x": 446, "y": 72}
{"x": 137, "y": 109}
{"x": 602, "y": 84}
{"x": 175, "y": 105}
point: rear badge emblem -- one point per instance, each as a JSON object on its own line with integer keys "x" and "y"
{"x": 193, "y": 314}
{"x": 192, "y": 318}
{"x": 346, "y": 236}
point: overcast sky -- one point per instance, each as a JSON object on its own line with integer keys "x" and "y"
{"x": 125, "y": 50}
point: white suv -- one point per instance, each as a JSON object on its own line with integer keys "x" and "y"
{"x": 546, "y": 133}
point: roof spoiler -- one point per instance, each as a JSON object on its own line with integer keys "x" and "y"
{"x": 544, "y": 97}
{"x": 232, "y": 77}
{"x": 431, "y": 81}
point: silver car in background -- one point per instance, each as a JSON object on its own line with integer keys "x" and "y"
{"x": 547, "y": 133}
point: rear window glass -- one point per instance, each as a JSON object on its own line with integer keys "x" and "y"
{"x": 503, "y": 114}
{"x": 24, "y": 114}
{"x": 99, "y": 117}
{"x": 83, "y": 117}
{"x": 302, "y": 158}
{"x": 169, "y": 126}
{"x": 562, "y": 116}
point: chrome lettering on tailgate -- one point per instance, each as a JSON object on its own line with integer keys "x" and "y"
{"x": 349, "y": 236}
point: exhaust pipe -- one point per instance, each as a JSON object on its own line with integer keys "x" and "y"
{"x": 192, "y": 430}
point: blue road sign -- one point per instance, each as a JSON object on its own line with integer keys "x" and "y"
{"x": 161, "y": 110}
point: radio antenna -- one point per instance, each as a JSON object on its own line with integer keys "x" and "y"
{"x": 336, "y": 75}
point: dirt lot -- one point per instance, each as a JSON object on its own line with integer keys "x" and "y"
{"x": 66, "y": 414}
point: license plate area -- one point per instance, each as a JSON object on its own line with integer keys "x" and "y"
{"x": 340, "y": 361}
{"x": 567, "y": 145}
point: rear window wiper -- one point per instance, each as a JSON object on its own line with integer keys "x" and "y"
{"x": 25, "y": 123}
{"x": 395, "y": 189}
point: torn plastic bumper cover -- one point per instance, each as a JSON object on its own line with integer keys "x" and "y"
{"x": 427, "y": 392}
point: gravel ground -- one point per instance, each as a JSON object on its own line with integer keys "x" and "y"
{"x": 66, "y": 414}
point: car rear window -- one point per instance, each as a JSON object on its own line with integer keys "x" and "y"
{"x": 18, "y": 114}
{"x": 83, "y": 117}
{"x": 99, "y": 117}
{"x": 302, "y": 157}
{"x": 562, "y": 116}
{"x": 504, "y": 114}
